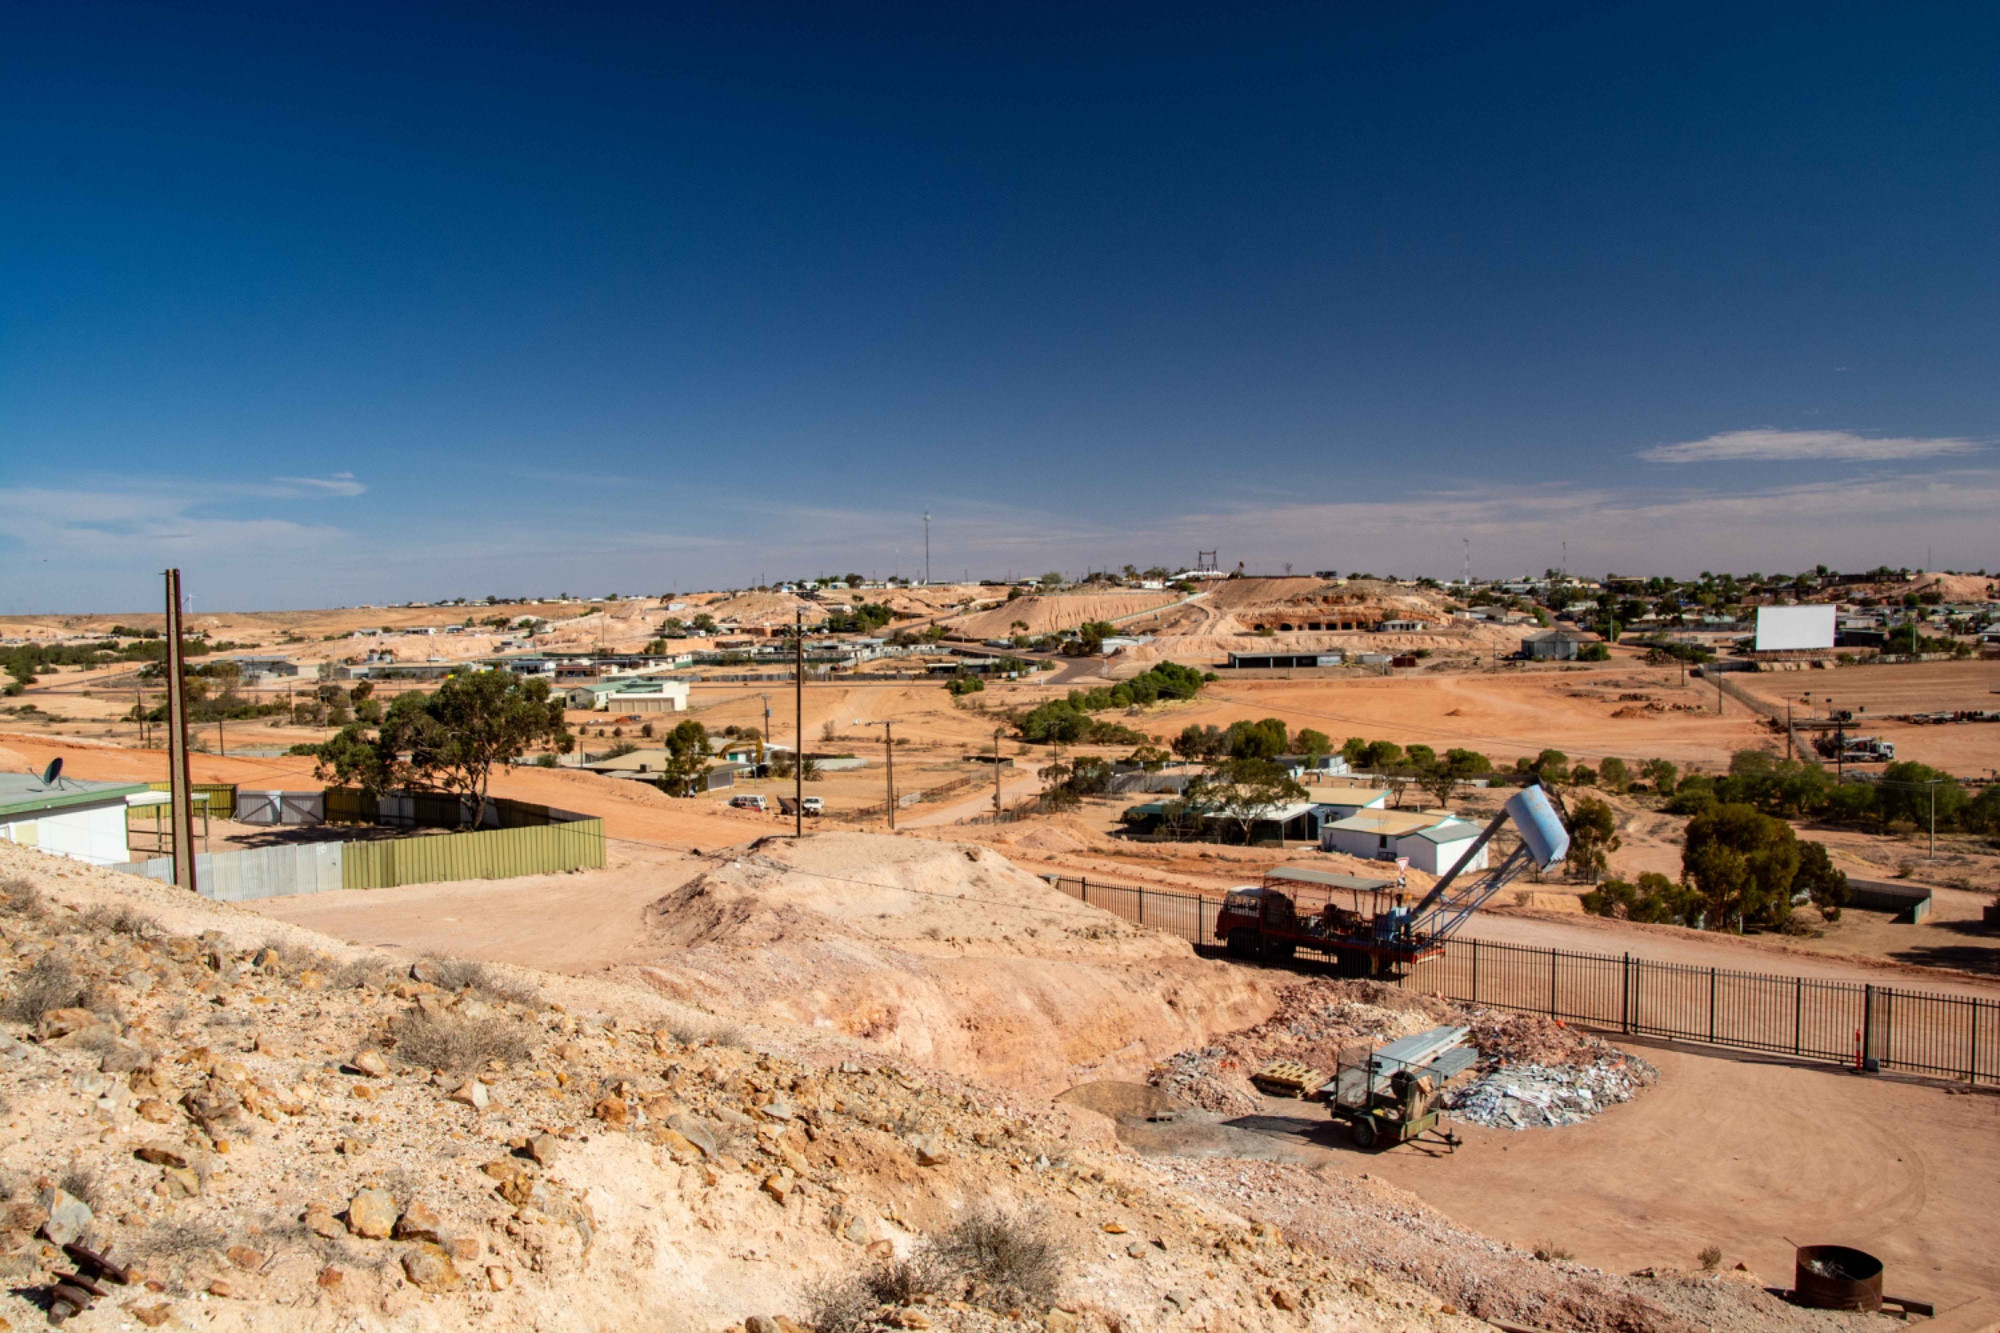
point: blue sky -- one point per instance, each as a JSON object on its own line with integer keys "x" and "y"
{"x": 372, "y": 303}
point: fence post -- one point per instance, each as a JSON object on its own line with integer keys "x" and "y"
{"x": 1868, "y": 1028}
{"x": 1552, "y": 983}
{"x": 1972, "y": 1054}
{"x": 1142, "y": 907}
{"x": 1475, "y": 971}
{"x": 1799, "y": 1013}
{"x": 1711, "y": 1004}
{"x": 1625, "y": 995}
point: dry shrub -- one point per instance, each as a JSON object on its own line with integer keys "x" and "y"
{"x": 174, "y": 1246}
{"x": 461, "y": 974}
{"x": 1711, "y": 1258}
{"x": 695, "y": 1031}
{"x": 902, "y": 1281}
{"x": 847, "y": 1304}
{"x": 453, "y": 1042}
{"x": 370, "y": 972}
{"x": 18, "y": 897}
{"x": 80, "y": 1183}
{"x": 50, "y": 984}
{"x": 104, "y": 919}
{"x": 293, "y": 959}
{"x": 840, "y": 1305}
{"x": 1010, "y": 1255}
{"x": 1549, "y": 1252}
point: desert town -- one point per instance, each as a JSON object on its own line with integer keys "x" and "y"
{"x": 1170, "y": 948}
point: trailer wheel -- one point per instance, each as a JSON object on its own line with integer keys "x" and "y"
{"x": 1282, "y": 949}
{"x": 1243, "y": 944}
{"x": 1364, "y": 1132}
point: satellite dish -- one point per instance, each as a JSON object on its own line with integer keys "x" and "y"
{"x": 52, "y": 772}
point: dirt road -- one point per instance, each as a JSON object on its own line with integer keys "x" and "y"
{"x": 1670, "y": 944}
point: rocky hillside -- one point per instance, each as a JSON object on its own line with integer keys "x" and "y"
{"x": 273, "y": 1130}
{"x": 262, "y": 1128}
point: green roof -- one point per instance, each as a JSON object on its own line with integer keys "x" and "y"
{"x": 25, "y": 794}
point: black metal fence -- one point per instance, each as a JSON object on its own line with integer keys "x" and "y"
{"x": 1918, "y": 1032}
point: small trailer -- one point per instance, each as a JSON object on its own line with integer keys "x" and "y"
{"x": 1390, "y": 1095}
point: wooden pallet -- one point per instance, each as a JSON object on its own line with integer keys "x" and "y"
{"x": 1287, "y": 1078}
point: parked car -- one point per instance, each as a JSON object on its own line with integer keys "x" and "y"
{"x": 750, "y": 801}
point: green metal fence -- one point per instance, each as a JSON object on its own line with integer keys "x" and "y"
{"x": 221, "y": 797}
{"x": 489, "y": 854}
{"x": 348, "y": 805}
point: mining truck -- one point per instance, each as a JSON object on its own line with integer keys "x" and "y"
{"x": 1369, "y": 926}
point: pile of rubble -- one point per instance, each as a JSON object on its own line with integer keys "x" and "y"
{"x": 1539, "y": 1073}
{"x": 1533, "y": 1072}
{"x": 1530, "y": 1096}
{"x": 1315, "y": 1023}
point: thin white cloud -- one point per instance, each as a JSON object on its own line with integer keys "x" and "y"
{"x": 339, "y": 483}
{"x": 1768, "y": 445}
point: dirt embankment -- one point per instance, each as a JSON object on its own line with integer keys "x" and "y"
{"x": 275, "y": 1131}
{"x": 945, "y": 954}
{"x": 1057, "y": 612}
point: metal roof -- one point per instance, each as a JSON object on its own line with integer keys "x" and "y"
{"x": 1456, "y": 830}
{"x": 1307, "y": 875}
{"x": 24, "y": 794}
{"x": 1392, "y": 822}
{"x": 1346, "y": 793}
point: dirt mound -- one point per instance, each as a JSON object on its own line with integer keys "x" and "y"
{"x": 764, "y": 608}
{"x": 1058, "y": 611}
{"x": 942, "y": 953}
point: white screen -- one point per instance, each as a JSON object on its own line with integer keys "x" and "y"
{"x": 1794, "y": 627}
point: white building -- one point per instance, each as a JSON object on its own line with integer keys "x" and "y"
{"x": 648, "y": 696}
{"x": 68, "y": 817}
{"x": 1432, "y": 840}
{"x": 1344, "y": 800}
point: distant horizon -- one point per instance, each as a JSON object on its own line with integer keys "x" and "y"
{"x": 400, "y": 301}
{"x": 447, "y": 601}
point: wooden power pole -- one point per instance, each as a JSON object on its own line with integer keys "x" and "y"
{"x": 177, "y": 742}
{"x": 799, "y": 722}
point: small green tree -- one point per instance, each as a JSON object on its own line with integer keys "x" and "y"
{"x": 1821, "y": 880}
{"x": 1197, "y": 741}
{"x": 1442, "y": 776}
{"x": 688, "y": 752}
{"x": 1243, "y": 790}
{"x": 1742, "y": 862}
{"x": 1662, "y": 774}
{"x": 1382, "y": 756}
{"x": 1314, "y": 743}
{"x": 452, "y": 739}
{"x": 1593, "y": 836}
{"x": 1256, "y": 740}
{"x": 1613, "y": 775}
{"x": 1655, "y": 899}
